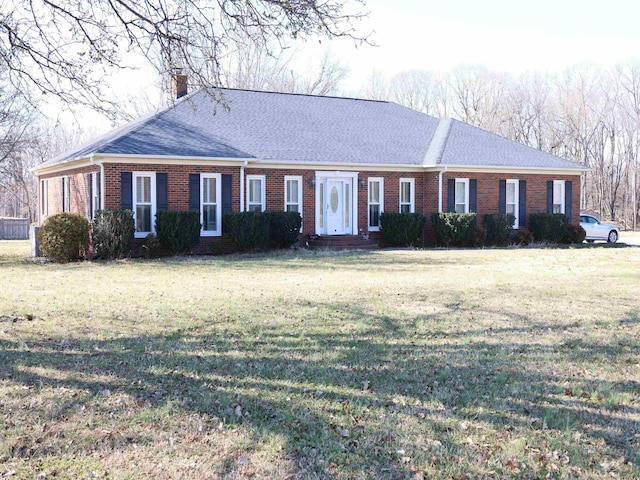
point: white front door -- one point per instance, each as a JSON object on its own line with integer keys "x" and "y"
{"x": 335, "y": 207}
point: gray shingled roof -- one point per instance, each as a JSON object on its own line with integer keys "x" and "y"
{"x": 471, "y": 146}
{"x": 290, "y": 128}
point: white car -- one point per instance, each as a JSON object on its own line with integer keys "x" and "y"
{"x": 596, "y": 230}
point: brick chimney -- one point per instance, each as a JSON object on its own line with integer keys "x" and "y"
{"x": 178, "y": 84}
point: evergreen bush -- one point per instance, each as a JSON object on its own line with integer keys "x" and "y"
{"x": 402, "y": 229}
{"x": 178, "y": 230}
{"x": 454, "y": 229}
{"x": 65, "y": 237}
{"x": 499, "y": 227}
{"x": 112, "y": 233}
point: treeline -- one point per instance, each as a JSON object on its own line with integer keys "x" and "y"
{"x": 587, "y": 114}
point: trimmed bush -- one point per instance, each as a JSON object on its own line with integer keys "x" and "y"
{"x": 284, "y": 228}
{"x": 65, "y": 237}
{"x": 402, "y": 229}
{"x": 112, "y": 233}
{"x": 178, "y": 230}
{"x": 574, "y": 234}
{"x": 499, "y": 228}
{"x": 454, "y": 229}
{"x": 521, "y": 236}
{"x": 549, "y": 227}
{"x": 248, "y": 230}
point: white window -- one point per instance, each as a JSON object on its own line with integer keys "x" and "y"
{"x": 144, "y": 202}
{"x": 66, "y": 194}
{"x": 256, "y": 193}
{"x": 512, "y": 203}
{"x": 407, "y": 195}
{"x": 44, "y": 197}
{"x": 211, "y": 204}
{"x": 293, "y": 194}
{"x": 462, "y": 195}
{"x": 376, "y": 202}
{"x": 558, "y": 196}
{"x": 95, "y": 193}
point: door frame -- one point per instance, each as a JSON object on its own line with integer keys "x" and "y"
{"x": 351, "y": 179}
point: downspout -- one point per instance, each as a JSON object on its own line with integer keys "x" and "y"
{"x": 442, "y": 172}
{"x": 102, "y": 180}
{"x": 246, "y": 162}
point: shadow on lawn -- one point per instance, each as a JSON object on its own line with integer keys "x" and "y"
{"x": 347, "y": 400}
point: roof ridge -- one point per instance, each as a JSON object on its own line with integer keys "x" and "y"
{"x": 433, "y": 156}
{"x": 336, "y": 97}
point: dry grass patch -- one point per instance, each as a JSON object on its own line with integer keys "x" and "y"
{"x": 395, "y": 364}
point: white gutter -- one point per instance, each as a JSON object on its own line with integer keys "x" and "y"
{"x": 242, "y": 185}
{"x": 440, "y": 189}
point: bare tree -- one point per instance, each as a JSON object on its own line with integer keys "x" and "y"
{"x": 65, "y": 47}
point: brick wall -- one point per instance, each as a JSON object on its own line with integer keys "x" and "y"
{"x": 426, "y": 192}
{"x": 78, "y": 189}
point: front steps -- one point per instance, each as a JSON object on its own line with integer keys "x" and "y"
{"x": 341, "y": 242}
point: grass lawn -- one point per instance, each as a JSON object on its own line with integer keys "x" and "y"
{"x": 519, "y": 363}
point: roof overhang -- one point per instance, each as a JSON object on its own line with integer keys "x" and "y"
{"x": 578, "y": 170}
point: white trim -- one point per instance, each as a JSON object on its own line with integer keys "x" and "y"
{"x": 513, "y": 181}
{"x": 44, "y": 198}
{"x": 218, "y": 202}
{"x": 466, "y": 194}
{"x": 412, "y": 194}
{"x": 371, "y": 180}
{"x": 291, "y": 178}
{"x": 134, "y": 203}
{"x": 95, "y": 187}
{"x": 320, "y": 178}
{"x": 562, "y": 195}
{"x": 509, "y": 169}
{"x": 263, "y": 191}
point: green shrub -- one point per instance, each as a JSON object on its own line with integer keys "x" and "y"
{"x": 574, "y": 234}
{"x": 549, "y": 227}
{"x": 454, "y": 229}
{"x": 402, "y": 229}
{"x": 248, "y": 230}
{"x": 65, "y": 237}
{"x": 178, "y": 230}
{"x": 498, "y": 227}
{"x": 112, "y": 233}
{"x": 284, "y": 228}
{"x": 521, "y": 236}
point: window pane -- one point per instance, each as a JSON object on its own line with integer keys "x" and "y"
{"x": 292, "y": 191}
{"x": 143, "y": 189}
{"x": 557, "y": 193}
{"x": 292, "y": 208}
{"x": 460, "y": 208}
{"x": 255, "y": 191}
{"x": 511, "y": 193}
{"x": 374, "y": 215}
{"x": 374, "y": 192}
{"x": 143, "y": 218}
{"x": 461, "y": 193}
{"x": 405, "y": 192}
{"x": 511, "y": 209}
{"x": 255, "y": 208}
{"x": 346, "y": 205}
{"x": 405, "y": 209}
{"x": 209, "y": 217}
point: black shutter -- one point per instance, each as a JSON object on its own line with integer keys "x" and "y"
{"x": 162, "y": 192}
{"x": 194, "y": 191}
{"x": 451, "y": 195}
{"x": 473, "y": 195}
{"x": 226, "y": 193}
{"x": 550, "y": 196}
{"x": 502, "y": 202}
{"x": 126, "y": 191}
{"x": 568, "y": 187}
{"x": 522, "y": 204}
{"x": 89, "y": 197}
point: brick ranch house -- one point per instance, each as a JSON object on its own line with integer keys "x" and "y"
{"x": 340, "y": 162}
